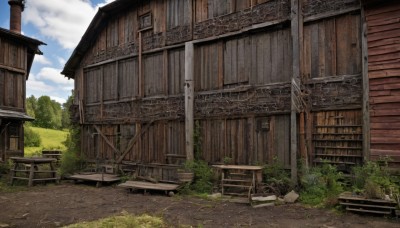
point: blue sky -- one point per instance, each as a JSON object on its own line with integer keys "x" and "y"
{"x": 60, "y": 24}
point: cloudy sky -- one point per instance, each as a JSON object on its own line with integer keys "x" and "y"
{"x": 60, "y": 24}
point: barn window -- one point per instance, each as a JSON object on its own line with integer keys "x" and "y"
{"x": 145, "y": 21}
{"x": 13, "y": 132}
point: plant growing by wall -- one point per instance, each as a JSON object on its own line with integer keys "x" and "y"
{"x": 321, "y": 186}
{"x": 374, "y": 180}
{"x": 203, "y": 174}
{"x": 71, "y": 160}
{"x": 276, "y": 178}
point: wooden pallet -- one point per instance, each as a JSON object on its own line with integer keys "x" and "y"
{"x": 363, "y": 205}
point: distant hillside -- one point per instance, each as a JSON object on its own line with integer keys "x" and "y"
{"x": 51, "y": 139}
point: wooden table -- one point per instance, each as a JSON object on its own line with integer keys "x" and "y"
{"x": 228, "y": 178}
{"x": 34, "y": 164}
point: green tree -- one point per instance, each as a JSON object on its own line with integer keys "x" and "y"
{"x": 48, "y": 113}
{"x": 31, "y": 104}
{"x": 65, "y": 119}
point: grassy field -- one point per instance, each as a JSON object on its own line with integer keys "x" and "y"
{"x": 51, "y": 139}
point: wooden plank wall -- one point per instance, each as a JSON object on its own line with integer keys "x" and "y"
{"x": 383, "y": 23}
{"x": 12, "y": 90}
{"x": 128, "y": 78}
{"x": 12, "y": 75}
{"x": 176, "y": 71}
{"x": 178, "y": 13}
{"x": 332, "y": 47}
{"x": 331, "y": 50}
{"x": 154, "y": 77}
{"x": 337, "y": 137}
{"x": 253, "y": 140}
{"x": 257, "y": 59}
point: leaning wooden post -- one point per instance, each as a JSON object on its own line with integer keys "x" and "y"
{"x": 189, "y": 100}
{"x": 295, "y": 88}
{"x": 365, "y": 82}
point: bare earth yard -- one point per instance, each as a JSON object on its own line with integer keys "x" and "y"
{"x": 52, "y": 206}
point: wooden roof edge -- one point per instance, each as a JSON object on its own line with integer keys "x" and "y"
{"x": 91, "y": 32}
{"x": 32, "y": 43}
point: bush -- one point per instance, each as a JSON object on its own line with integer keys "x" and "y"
{"x": 277, "y": 179}
{"x": 31, "y": 138}
{"x": 71, "y": 160}
{"x": 203, "y": 177}
{"x": 374, "y": 180}
{"x": 321, "y": 185}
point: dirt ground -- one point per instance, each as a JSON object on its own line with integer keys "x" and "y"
{"x": 52, "y": 206}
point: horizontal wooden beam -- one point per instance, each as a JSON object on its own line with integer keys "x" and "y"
{"x": 13, "y": 69}
{"x": 330, "y": 14}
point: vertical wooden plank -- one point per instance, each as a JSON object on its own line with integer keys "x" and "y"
{"x": 366, "y": 144}
{"x": 343, "y": 49}
{"x": 165, "y": 72}
{"x": 321, "y": 50}
{"x": 234, "y": 62}
{"x": 189, "y": 99}
{"x": 314, "y": 50}
{"x": 227, "y": 63}
{"x": 141, "y": 79}
{"x": 221, "y": 65}
{"x": 295, "y": 15}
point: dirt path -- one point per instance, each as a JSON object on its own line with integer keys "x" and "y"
{"x": 64, "y": 204}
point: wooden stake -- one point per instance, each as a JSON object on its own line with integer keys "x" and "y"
{"x": 189, "y": 100}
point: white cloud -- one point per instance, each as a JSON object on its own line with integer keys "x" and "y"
{"x": 64, "y": 21}
{"x": 105, "y": 3}
{"x": 54, "y": 75}
{"x": 61, "y": 60}
{"x": 40, "y": 85}
{"x": 42, "y": 60}
{"x": 33, "y": 85}
{"x": 58, "y": 99}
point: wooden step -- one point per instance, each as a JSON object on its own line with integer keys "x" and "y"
{"x": 367, "y": 205}
{"x": 236, "y": 180}
{"x": 236, "y": 185}
{"x": 369, "y": 211}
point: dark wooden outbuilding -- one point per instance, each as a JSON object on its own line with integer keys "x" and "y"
{"x": 262, "y": 78}
{"x": 16, "y": 56}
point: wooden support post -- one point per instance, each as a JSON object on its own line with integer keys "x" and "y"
{"x": 189, "y": 100}
{"x": 295, "y": 14}
{"x": 365, "y": 83}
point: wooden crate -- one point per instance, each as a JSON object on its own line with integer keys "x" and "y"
{"x": 363, "y": 205}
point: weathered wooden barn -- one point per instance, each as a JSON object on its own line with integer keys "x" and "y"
{"x": 16, "y": 56}
{"x": 260, "y": 78}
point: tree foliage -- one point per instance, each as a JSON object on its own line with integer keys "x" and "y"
{"x": 49, "y": 113}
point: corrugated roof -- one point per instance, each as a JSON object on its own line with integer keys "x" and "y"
{"x": 8, "y": 114}
{"x": 98, "y": 23}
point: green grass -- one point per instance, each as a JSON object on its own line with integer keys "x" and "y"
{"x": 51, "y": 139}
{"x": 124, "y": 220}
